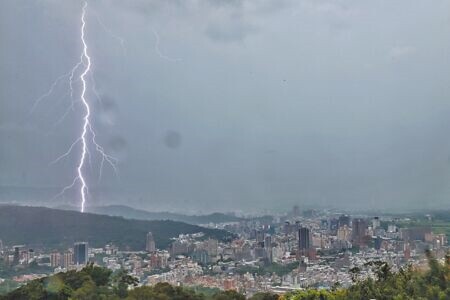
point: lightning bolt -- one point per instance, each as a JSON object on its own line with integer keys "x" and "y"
{"x": 48, "y": 93}
{"x": 86, "y": 59}
{"x": 158, "y": 50}
{"x": 80, "y": 72}
{"x": 114, "y": 36}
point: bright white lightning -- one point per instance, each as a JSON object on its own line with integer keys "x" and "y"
{"x": 158, "y": 50}
{"x": 87, "y": 137}
{"x": 48, "y": 93}
{"x": 86, "y": 121}
{"x": 114, "y": 36}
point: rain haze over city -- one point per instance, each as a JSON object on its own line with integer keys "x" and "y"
{"x": 224, "y": 149}
{"x": 227, "y": 106}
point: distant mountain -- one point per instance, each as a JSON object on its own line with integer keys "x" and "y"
{"x": 39, "y": 226}
{"x": 139, "y": 214}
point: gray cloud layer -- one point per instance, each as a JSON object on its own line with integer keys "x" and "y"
{"x": 240, "y": 104}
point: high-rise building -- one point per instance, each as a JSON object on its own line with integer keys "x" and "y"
{"x": 150, "y": 243}
{"x": 344, "y": 220}
{"x": 302, "y": 267}
{"x": 333, "y": 225}
{"x": 67, "y": 259}
{"x": 259, "y": 252}
{"x": 376, "y": 223}
{"x": 260, "y": 237}
{"x": 80, "y": 253}
{"x": 310, "y": 213}
{"x": 16, "y": 258}
{"x": 440, "y": 240}
{"x": 268, "y": 247}
{"x": 55, "y": 259}
{"x": 359, "y": 227}
{"x": 26, "y": 255}
{"x": 343, "y": 233}
{"x": 201, "y": 256}
{"x": 179, "y": 248}
{"x": 268, "y": 241}
{"x": 111, "y": 249}
{"x": 31, "y": 253}
{"x": 211, "y": 245}
{"x": 287, "y": 227}
{"x": 378, "y": 241}
{"x": 304, "y": 238}
{"x": 324, "y": 224}
{"x": 295, "y": 211}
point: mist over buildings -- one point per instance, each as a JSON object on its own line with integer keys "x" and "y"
{"x": 233, "y": 105}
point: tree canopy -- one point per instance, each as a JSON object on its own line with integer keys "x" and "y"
{"x": 95, "y": 282}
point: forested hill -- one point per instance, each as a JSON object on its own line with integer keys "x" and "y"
{"x": 140, "y": 214}
{"x": 39, "y": 226}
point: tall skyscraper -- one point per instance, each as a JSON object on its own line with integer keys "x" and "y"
{"x": 304, "y": 238}
{"x": 334, "y": 225}
{"x": 150, "y": 243}
{"x": 376, "y": 223}
{"x": 27, "y": 255}
{"x": 359, "y": 227}
{"x": 295, "y": 211}
{"x": 344, "y": 220}
{"x": 260, "y": 237}
{"x": 16, "y": 258}
{"x": 268, "y": 247}
{"x": 80, "y": 253}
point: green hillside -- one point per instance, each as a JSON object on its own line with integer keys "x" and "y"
{"x": 39, "y": 226}
{"x": 140, "y": 214}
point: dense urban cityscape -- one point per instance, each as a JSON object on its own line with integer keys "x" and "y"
{"x": 224, "y": 150}
{"x": 299, "y": 250}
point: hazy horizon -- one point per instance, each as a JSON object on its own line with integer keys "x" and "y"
{"x": 214, "y": 105}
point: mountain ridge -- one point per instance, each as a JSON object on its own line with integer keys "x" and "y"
{"x": 140, "y": 214}
{"x": 47, "y": 227}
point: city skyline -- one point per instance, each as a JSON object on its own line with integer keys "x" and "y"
{"x": 224, "y": 149}
{"x": 298, "y": 250}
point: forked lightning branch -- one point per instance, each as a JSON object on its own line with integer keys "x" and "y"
{"x": 86, "y": 140}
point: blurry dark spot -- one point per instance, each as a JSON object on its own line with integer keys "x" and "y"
{"x": 172, "y": 139}
{"x": 271, "y": 151}
{"x": 117, "y": 143}
{"x": 108, "y": 103}
{"x": 108, "y": 110}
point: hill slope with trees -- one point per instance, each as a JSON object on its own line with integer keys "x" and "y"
{"x": 140, "y": 214}
{"x": 45, "y": 227}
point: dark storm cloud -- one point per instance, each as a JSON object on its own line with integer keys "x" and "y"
{"x": 172, "y": 139}
{"x": 222, "y": 21}
{"x": 270, "y": 104}
{"x": 234, "y": 31}
{"x": 117, "y": 143}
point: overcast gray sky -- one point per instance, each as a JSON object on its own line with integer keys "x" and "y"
{"x": 233, "y": 105}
